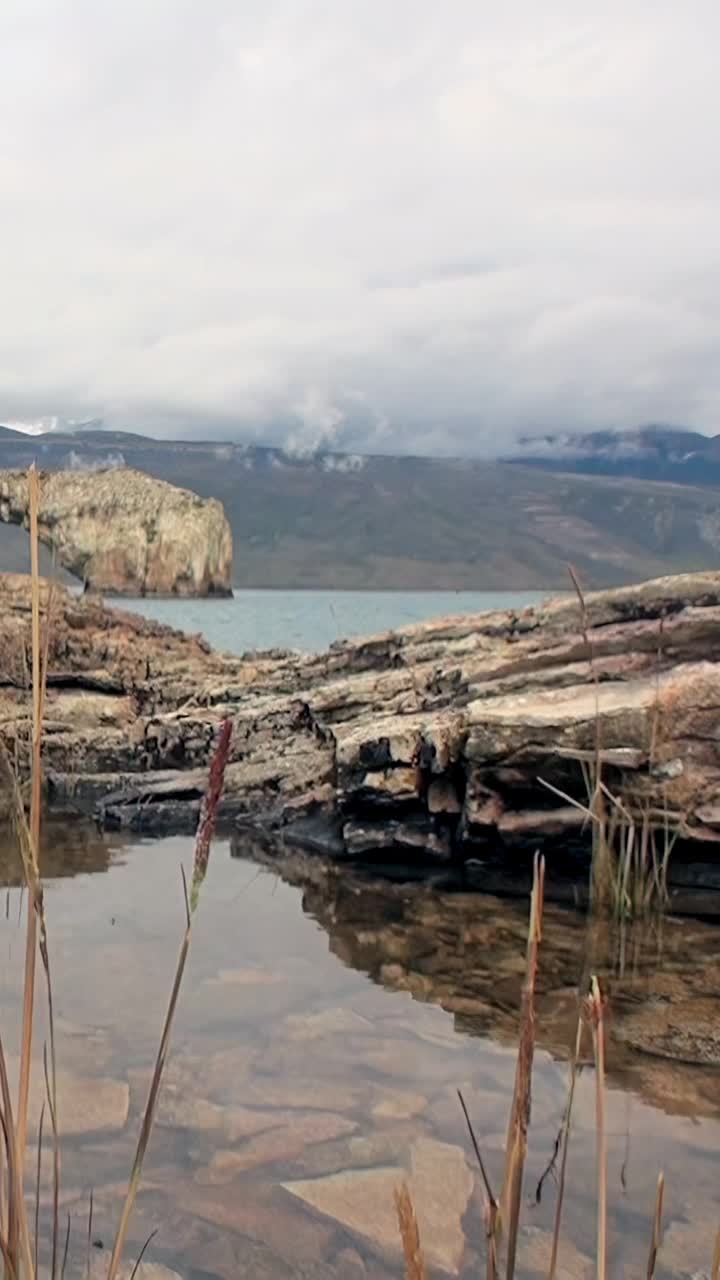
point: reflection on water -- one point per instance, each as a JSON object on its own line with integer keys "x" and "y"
{"x": 326, "y": 1020}
{"x": 68, "y": 849}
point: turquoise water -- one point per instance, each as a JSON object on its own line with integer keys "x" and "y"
{"x": 312, "y": 620}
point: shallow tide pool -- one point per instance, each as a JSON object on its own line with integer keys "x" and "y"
{"x": 326, "y": 1020}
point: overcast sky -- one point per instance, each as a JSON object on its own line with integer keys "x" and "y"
{"x": 383, "y": 224}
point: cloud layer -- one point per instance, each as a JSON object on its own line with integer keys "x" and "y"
{"x": 403, "y": 226}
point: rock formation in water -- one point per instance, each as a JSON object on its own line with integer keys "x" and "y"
{"x": 122, "y": 532}
{"x": 459, "y": 737}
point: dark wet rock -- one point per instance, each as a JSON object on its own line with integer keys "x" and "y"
{"x": 413, "y": 836}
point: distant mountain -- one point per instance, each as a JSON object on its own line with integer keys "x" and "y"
{"x": 649, "y": 453}
{"x": 349, "y": 520}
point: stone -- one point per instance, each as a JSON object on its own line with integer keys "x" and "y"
{"x": 535, "y": 1249}
{"x": 442, "y": 797}
{"x": 683, "y": 1030}
{"x": 350, "y": 1265}
{"x": 180, "y": 1108}
{"x": 386, "y": 1145}
{"x": 397, "y": 1105}
{"x": 329, "y": 1022}
{"x": 123, "y": 532}
{"x": 687, "y": 1248}
{"x": 249, "y": 977}
{"x": 362, "y": 1201}
{"x": 277, "y": 1145}
{"x": 375, "y": 728}
{"x": 303, "y": 1095}
{"x": 146, "y": 1270}
{"x": 86, "y": 1104}
{"x": 263, "y": 1214}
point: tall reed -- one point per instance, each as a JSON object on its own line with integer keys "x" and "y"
{"x": 19, "y": 1245}
{"x": 502, "y": 1216}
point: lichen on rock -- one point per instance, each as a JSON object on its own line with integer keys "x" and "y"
{"x": 122, "y": 532}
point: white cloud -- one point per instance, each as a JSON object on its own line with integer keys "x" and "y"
{"x": 481, "y": 219}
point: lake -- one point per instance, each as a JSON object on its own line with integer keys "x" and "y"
{"x": 312, "y": 620}
{"x": 327, "y": 1018}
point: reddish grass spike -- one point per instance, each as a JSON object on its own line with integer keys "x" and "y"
{"x": 208, "y": 811}
{"x": 206, "y": 827}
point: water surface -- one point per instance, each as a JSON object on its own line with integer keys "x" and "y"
{"x": 326, "y": 1020}
{"x": 312, "y": 620}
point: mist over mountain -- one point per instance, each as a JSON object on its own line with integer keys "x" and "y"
{"x": 653, "y": 452}
{"x": 619, "y": 508}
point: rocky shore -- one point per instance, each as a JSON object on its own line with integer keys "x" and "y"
{"x": 435, "y": 742}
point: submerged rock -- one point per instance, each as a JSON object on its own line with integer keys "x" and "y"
{"x": 86, "y": 1104}
{"x": 99, "y": 1262}
{"x": 362, "y": 1200}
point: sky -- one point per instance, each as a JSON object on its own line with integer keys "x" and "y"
{"x": 397, "y": 227}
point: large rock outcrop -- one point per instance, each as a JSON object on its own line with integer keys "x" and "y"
{"x": 435, "y": 740}
{"x": 122, "y": 532}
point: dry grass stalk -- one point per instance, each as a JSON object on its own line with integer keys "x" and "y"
{"x": 595, "y": 1010}
{"x": 521, "y": 1102}
{"x": 410, "y": 1235}
{"x": 715, "y": 1269}
{"x": 15, "y": 1132}
{"x": 564, "y": 1151}
{"x": 601, "y": 876}
{"x": 32, "y": 868}
{"x": 206, "y": 827}
{"x": 657, "y": 1227}
{"x": 490, "y": 1204}
{"x": 15, "y": 1241}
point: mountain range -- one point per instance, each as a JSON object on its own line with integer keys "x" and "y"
{"x": 619, "y": 506}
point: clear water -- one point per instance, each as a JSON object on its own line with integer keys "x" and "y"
{"x": 327, "y": 1018}
{"x": 312, "y": 620}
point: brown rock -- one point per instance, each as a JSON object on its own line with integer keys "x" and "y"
{"x": 329, "y": 1022}
{"x": 100, "y": 1260}
{"x": 277, "y": 1145}
{"x": 86, "y": 1104}
{"x": 440, "y": 1184}
{"x": 534, "y": 1252}
{"x": 262, "y": 1214}
{"x": 398, "y": 1105}
{"x": 133, "y": 710}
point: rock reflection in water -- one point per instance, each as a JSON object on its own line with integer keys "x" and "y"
{"x": 69, "y": 848}
{"x": 306, "y": 1080}
{"x": 466, "y": 953}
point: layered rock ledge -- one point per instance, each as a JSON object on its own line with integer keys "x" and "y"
{"x": 435, "y": 741}
{"x": 122, "y": 532}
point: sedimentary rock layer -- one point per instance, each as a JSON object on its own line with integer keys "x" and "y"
{"x": 124, "y": 533}
{"x": 463, "y": 734}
